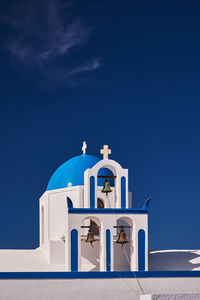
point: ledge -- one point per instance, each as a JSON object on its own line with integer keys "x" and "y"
{"x": 90, "y": 275}
{"x": 107, "y": 211}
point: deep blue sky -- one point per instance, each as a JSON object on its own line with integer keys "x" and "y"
{"x": 126, "y": 74}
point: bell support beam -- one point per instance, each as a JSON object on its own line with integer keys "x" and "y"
{"x": 102, "y": 176}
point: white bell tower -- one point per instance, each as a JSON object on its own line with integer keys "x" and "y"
{"x": 84, "y": 229}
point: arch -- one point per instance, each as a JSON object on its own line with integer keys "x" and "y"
{"x": 91, "y": 221}
{"x": 105, "y": 174}
{"x": 100, "y": 203}
{"x": 115, "y": 197}
{"x": 110, "y": 164}
{"x": 123, "y": 192}
{"x": 122, "y": 255}
{"x": 124, "y": 220}
{"x": 69, "y": 203}
{"x": 42, "y": 225}
{"x": 91, "y": 217}
{"x": 108, "y": 250}
{"x": 141, "y": 250}
{"x": 74, "y": 250}
{"x": 90, "y": 254}
{"x": 92, "y": 192}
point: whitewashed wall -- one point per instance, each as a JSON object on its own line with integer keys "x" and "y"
{"x": 98, "y": 289}
{"x": 107, "y": 221}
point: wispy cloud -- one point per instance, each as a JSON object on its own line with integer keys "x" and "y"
{"x": 44, "y": 32}
{"x": 89, "y": 66}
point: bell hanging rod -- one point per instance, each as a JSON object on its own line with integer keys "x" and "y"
{"x": 102, "y": 176}
{"x": 123, "y": 226}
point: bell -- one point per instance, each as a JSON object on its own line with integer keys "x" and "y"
{"x": 122, "y": 239}
{"x": 106, "y": 188}
{"x": 90, "y": 237}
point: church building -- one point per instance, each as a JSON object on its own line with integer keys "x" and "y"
{"x": 94, "y": 243}
{"x": 87, "y": 222}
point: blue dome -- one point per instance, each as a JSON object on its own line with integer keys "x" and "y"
{"x": 72, "y": 171}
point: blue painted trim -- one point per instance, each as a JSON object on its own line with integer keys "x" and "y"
{"x": 147, "y": 203}
{"x": 92, "y": 192}
{"x": 69, "y": 203}
{"x": 141, "y": 250}
{"x": 87, "y": 275}
{"x": 107, "y": 211}
{"x": 74, "y": 250}
{"x": 123, "y": 192}
{"x": 108, "y": 251}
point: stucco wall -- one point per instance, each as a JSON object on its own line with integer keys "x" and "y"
{"x": 98, "y": 289}
{"x": 36, "y": 260}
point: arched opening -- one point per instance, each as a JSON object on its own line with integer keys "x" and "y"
{"x": 105, "y": 187}
{"x": 105, "y": 173}
{"x": 100, "y": 203}
{"x": 90, "y": 253}
{"x": 69, "y": 203}
{"x": 42, "y": 225}
{"x": 95, "y": 229}
{"x": 122, "y": 254}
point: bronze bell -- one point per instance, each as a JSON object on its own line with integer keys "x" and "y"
{"x": 90, "y": 237}
{"x": 122, "y": 239}
{"x": 106, "y": 188}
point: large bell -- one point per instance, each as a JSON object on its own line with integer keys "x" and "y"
{"x": 122, "y": 239}
{"x": 106, "y": 188}
{"x": 90, "y": 237}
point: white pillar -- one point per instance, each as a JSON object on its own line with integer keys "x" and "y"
{"x": 118, "y": 191}
{"x": 67, "y": 248}
{"x": 111, "y": 249}
{"x": 134, "y": 250}
{"x": 126, "y": 176}
{"x": 146, "y": 251}
{"x": 79, "y": 248}
{"x": 86, "y": 189}
{"x": 102, "y": 250}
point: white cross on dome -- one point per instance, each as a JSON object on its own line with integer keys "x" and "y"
{"x": 84, "y": 147}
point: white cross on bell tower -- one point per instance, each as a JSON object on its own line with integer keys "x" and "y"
{"x": 84, "y": 147}
{"x": 105, "y": 151}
